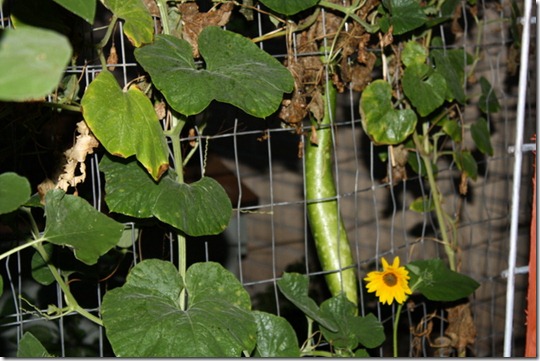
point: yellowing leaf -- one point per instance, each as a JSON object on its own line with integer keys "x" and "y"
{"x": 125, "y": 123}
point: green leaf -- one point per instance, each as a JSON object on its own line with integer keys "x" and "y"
{"x": 488, "y": 102}
{"x": 404, "y": 15}
{"x": 85, "y": 9}
{"x": 466, "y": 163}
{"x": 139, "y": 25}
{"x": 40, "y": 271}
{"x": 126, "y": 123}
{"x": 30, "y": 347}
{"x": 438, "y": 282}
{"x": 425, "y": 89}
{"x": 200, "y": 208}
{"x": 451, "y": 128}
{"x": 275, "y": 336}
{"x": 352, "y": 329}
{"x": 294, "y": 287}
{"x": 361, "y": 353}
{"x": 127, "y": 238}
{"x": 36, "y": 59}
{"x": 481, "y": 136}
{"x": 14, "y": 191}
{"x": 381, "y": 122}
{"x": 289, "y": 7}
{"x": 144, "y": 318}
{"x": 73, "y": 222}
{"x": 237, "y": 72}
{"x": 422, "y": 205}
{"x": 451, "y": 65}
{"x": 413, "y": 53}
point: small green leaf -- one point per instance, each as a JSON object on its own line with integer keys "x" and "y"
{"x": 126, "y": 123}
{"x": 404, "y": 15}
{"x": 413, "y": 53}
{"x": 144, "y": 318}
{"x": 40, "y": 271}
{"x": 36, "y": 59}
{"x": 360, "y": 353}
{"x": 294, "y": 287}
{"x": 237, "y": 72}
{"x": 275, "y": 336}
{"x": 200, "y": 208}
{"x": 289, "y": 7}
{"x": 14, "y": 191}
{"x": 451, "y": 65}
{"x": 73, "y": 222}
{"x": 128, "y": 237}
{"x": 86, "y": 9}
{"x": 438, "y": 282}
{"x": 451, "y": 128}
{"x": 466, "y": 163}
{"x": 422, "y": 205}
{"x": 30, "y": 347}
{"x": 352, "y": 329}
{"x": 381, "y": 122}
{"x": 481, "y": 136}
{"x": 488, "y": 102}
{"x": 139, "y": 25}
{"x": 425, "y": 89}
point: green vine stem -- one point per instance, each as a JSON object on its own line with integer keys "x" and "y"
{"x": 424, "y": 152}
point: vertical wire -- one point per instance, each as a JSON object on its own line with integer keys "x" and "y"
{"x": 59, "y": 297}
{"x": 239, "y": 201}
{"x": 518, "y": 155}
{"x": 272, "y": 220}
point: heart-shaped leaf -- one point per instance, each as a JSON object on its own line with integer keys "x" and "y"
{"x": 381, "y": 122}
{"x": 425, "y": 89}
{"x": 237, "y": 72}
{"x": 438, "y": 282}
{"x": 294, "y": 287}
{"x": 352, "y": 329}
{"x": 466, "y": 163}
{"x": 125, "y": 123}
{"x": 139, "y": 25}
{"x": 289, "y": 7}
{"x": 275, "y": 336}
{"x": 403, "y": 15}
{"x": 488, "y": 102}
{"x": 86, "y": 9}
{"x": 73, "y": 222}
{"x": 413, "y": 53}
{"x": 144, "y": 317}
{"x": 36, "y": 59}
{"x": 451, "y": 65}
{"x": 200, "y": 208}
{"x": 481, "y": 136}
{"x": 14, "y": 191}
{"x": 30, "y": 346}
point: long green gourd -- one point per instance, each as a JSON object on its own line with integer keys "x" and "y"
{"x": 325, "y": 220}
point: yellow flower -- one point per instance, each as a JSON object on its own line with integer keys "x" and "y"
{"x": 392, "y": 282}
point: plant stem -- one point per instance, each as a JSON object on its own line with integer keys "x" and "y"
{"x": 21, "y": 247}
{"x": 448, "y": 245}
{"x": 163, "y": 14}
{"x": 394, "y": 331}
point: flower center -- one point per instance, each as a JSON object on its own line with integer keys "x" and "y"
{"x": 390, "y": 279}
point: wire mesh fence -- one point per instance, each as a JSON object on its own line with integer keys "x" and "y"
{"x": 258, "y": 163}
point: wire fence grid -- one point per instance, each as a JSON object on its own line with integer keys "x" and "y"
{"x": 269, "y": 234}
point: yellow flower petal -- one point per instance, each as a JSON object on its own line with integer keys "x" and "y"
{"x": 389, "y": 284}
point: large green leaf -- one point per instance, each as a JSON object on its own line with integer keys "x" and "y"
{"x": 289, "y": 7}
{"x": 200, "y": 208}
{"x": 352, "y": 329}
{"x": 86, "y": 9}
{"x": 275, "y": 336}
{"x": 481, "y": 136}
{"x": 73, "y": 222}
{"x": 139, "y": 25}
{"x": 381, "y": 122}
{"x": 425, "y": 89}
{"x": 30, "y": 346}
{"x": 451, "y": 65}
{"x": 294, "y": 287}
{"x": 126, "y": 123}
{"x": 14, "y": 191}
{"x": 144, "y": 317}
{"x": 403, "y": 15}
{"x": 438, "y": 282}
{"x": 33, "y": 60}
{"x": 237, "y": 72}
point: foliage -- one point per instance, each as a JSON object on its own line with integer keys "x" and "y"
{"x": 166, "y": 310}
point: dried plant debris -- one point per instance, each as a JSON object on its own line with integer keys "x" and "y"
{"x": 75, "y": 169}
